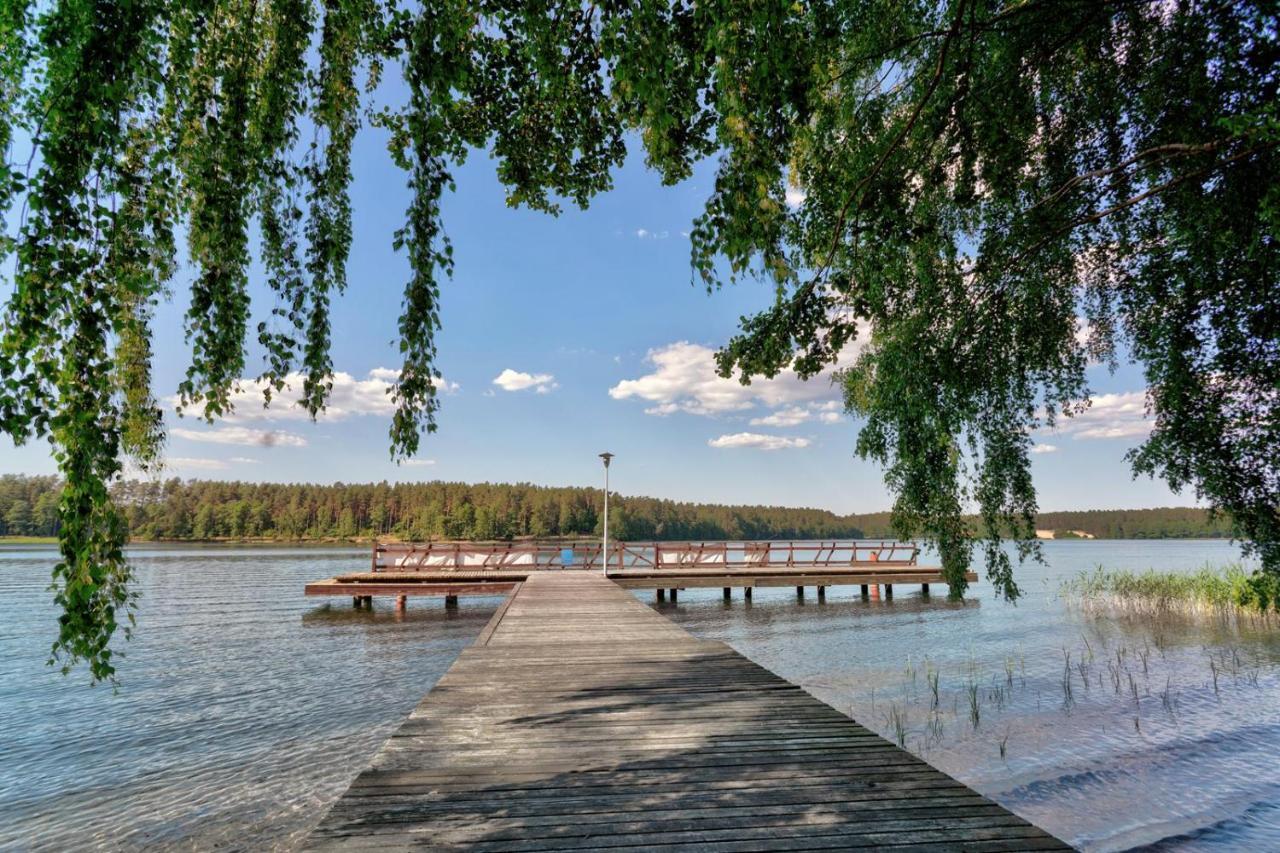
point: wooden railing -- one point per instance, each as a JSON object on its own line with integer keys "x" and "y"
{"x": 528, "y": 556}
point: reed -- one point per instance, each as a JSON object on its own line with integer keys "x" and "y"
{"x": 897, "y": 718}
{"x": 1228, "y": 591}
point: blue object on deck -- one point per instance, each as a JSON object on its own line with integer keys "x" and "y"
{"x": 566, "y": 557}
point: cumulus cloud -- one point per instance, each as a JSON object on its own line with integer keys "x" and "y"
{"x": 757, "y": 441}
{"x": 514, "y": 380}
{"x": 684, "y": 379}
{"x": 242, "y": 435}
{"x": 1121, "y": 415}
{"x": 827, "y": 413}
{"x": 784, "y": 417}
{"x": 1045, "y": 448}
{"x": 350, "y": 397}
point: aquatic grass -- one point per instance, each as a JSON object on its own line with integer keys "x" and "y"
{"x": 897, "y": 718}
{"x": 1227, "y": 591}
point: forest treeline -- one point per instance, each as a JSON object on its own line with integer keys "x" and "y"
{"x": 1161, "y": 523}
{"x": 210, "y": 509}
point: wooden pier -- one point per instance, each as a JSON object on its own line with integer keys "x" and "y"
{"x": 453, "y": 569}
{"x": 580, "y": 719}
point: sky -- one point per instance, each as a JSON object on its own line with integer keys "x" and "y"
{"x": 568, "y": 336}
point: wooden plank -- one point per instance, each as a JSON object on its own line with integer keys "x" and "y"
{"x": 581, "y": 719}
{"x": 331, "y": 587}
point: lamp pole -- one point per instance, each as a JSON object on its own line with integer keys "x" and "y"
{"x": 607, "y": 457}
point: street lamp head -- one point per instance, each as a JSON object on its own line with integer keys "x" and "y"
{"x": 606, "y": 457}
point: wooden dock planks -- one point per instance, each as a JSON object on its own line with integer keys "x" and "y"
{"x": 583, "y": 720}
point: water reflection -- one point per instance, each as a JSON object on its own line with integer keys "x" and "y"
{"x": 246, "y": 708}
{"x": 1110, "y": 732}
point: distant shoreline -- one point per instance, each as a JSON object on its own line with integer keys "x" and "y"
{"x": 369, "y": 540}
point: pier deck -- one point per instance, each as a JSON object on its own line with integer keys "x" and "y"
{"x": 582, "y": 719}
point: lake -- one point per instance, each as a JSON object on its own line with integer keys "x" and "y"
{"x": 245, "y": 709}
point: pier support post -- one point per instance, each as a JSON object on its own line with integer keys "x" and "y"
{"x": 865, "y": 592}
{"x": 822, "y": 593}
{"x": 401, "y": 602}
{"x": 746, "y": 593}
{"x": 356, "y": 601}
{"x": 451, "y": 602}
{"x": 674, "y": 591}
{"x": 924, "y": 590}
{"x": 888, "y": 590}
{"x": 662, "y": 594}
{"x": 800, "y": 592}
{"x": 728, "y": 593}
{"x": 368, "y": 602}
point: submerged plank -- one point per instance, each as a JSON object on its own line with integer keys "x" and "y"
{"x": 582, "y": 719}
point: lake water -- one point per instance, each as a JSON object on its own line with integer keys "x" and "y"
{"x": 245, "y": 709}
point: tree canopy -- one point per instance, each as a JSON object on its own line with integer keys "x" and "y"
{"x": 999, "y": 192}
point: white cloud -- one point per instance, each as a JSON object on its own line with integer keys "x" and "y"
{"x": 514, "y": 380}
{"x": 194, "y": 463}
{"x": 795, "y": 196}
{"x": 417, "y": 463}
{"x": 244, "y": 460}
{"x": 757, "y": 441}
{"x": 830, "y": 417}
{"x": 646, "y": 234}
{"x": 684, "y": 379}
{"x": 391, "y": 375}
{"x": 784, "y": 417}
{"x": 1121, "y": 415}
{"x": 349, "y": 398}
{"x": 242, "y": 435}
{"x": 1045, "y": 448}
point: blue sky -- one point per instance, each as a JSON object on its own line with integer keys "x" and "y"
{"x": 567, "y": 336}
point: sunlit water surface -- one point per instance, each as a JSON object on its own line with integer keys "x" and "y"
{"x": 1126, "y": 744}
{"x": 245, "y": 709}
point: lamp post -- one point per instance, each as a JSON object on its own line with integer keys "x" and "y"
{"x": 605, "y": 551}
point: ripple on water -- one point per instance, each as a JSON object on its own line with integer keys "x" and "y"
{"x": 244, "y": 709}
{"x": 1142, "y": 749}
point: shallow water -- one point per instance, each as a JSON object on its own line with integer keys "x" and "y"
{"x": 245, "y": 709}
{"x": 1144, "y": 753}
